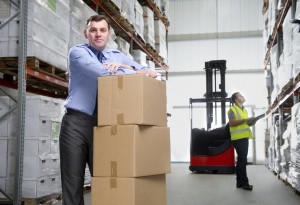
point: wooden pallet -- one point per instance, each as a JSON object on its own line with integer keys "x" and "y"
{"x": 151, "y": 49}
{"x": 140, "y": 38}
{"x": 9, "y": 65}
{"x": 126, "y": 23}
{"x": 286, "y": 88}
{"x": 45, "y": 200}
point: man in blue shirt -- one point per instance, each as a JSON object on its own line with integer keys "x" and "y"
{"x": 86, "y": 63}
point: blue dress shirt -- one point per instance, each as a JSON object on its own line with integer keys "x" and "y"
{"x": 84, "y": 70}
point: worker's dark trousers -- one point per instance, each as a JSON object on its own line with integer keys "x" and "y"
{"x": 241, "y": 147}
{"x": 76, "y": 149}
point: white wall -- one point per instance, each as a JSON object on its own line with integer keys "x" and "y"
{"x": 204, "y": 30}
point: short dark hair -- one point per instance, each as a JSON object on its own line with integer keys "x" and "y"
{"x": 98, "y": 18}
{"x": 234, "y": 96}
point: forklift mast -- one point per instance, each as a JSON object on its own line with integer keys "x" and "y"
{"x": 215, "y": 93}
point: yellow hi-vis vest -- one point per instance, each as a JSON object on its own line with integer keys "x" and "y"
{"x": 241, "y": 131}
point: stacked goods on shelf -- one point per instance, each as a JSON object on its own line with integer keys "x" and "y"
{"x": 139, "y": 57}
{"x": 294, "y": 174}
{"x": 151, "y": 64}
{"x": 47, "y": 31}
{"x": 139, "y": 20}
{"x": 117, "y": 3}
{"x": 131, "y": 142}
{"x": 273, "y": 60}
{"x": 285, "y": 151}
{"x": 149, "y": 26}
{"x": 285, "y": 69}
{"x": 158, "y": 3}
{"x": 165, "y": 7}
{"x": 123, "y": 46}
{"x": 127, "y": 11}
{"x": 160, "y": 39}
{"x": 269, "y": 22}
{"x": 79, "y": 13}
{"x": 274, "y": 149}
{"x": 296, "y": 42}
{"x": 41, "y": 172}
{"x": 284, "y": 59}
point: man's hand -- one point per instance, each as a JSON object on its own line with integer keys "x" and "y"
{"x": 151, "y": 73}
{"x": 113, "y": 67}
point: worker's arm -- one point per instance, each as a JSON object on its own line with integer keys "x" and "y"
{"x": 234, "y": 122}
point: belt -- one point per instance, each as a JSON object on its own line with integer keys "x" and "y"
{"x": 79, "y": 113}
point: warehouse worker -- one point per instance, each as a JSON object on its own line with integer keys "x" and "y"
{"x": 240, "y": 134}
{"x": 86, "y": 63}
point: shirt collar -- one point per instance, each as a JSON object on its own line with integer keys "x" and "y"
{"x": 95, "y": 51}
{"x": 242, "y": 108}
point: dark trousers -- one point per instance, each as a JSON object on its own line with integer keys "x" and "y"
{"x": 76, "y": 149}
{"x": 241, "y": 148}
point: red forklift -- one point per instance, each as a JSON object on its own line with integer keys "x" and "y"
{"x": 211, "y": 149}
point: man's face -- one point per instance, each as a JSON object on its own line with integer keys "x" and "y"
{"x": 97, "y": 34}
{"x": 240, "y": 99}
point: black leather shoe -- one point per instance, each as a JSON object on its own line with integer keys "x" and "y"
{"x": 247, "y": 187}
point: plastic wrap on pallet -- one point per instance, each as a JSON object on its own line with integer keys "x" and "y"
{"x": 285, "y": 149}
{"x": 295, "y": 112}
{"x": 157, "y": 3}
{"x": 47, "y": 32}
{"x": 127, "y": 11}
{"x": 277, "y": 166}
{"x": 294, "y": 177}
{"x": 148, "y": 16}
{"x": 297, "y": 11}
{"x": 41, "y": 172}
{"x": 272, "y": 15}
{"x": 79, "y": 13}
{"x": 111, "y": 44}
{"x": 151, "y": 64}
{"x": 139, "y": 20}
{"x": 123, "y": 45}
{"x": 118, "y": 3}
{"x": 55, "y": 183}
{"x": 285, "y": 74}
{"x": 165, "y": 5}
{"x": 287, "y": 31}
{"x": 139, "y": 56}
{"x": 160, "y": 39}
{"x": 270, "y": 161}
{"x": 296, "y": 49}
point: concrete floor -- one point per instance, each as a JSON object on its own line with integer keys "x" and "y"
{"x": 186, "y": 188}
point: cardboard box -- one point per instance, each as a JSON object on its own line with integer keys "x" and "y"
{"x": 131, "y": 99}
{"x": 129, "y": 191}
{"x": 131, "y": 151}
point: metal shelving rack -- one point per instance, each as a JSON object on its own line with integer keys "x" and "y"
{"x": 281, "y": 107}
{"x": 30, "y": 79}
{"x": 290, "y": 93}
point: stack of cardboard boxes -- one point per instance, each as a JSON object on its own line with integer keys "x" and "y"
{"x": 131, "y": 142}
